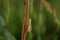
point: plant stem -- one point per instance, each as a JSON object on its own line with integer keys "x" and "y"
{"x": 25, "y": 19}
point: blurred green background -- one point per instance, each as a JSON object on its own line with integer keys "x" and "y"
{"x": 43, "y": 23}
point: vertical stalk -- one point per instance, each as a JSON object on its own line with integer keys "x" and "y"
{"x": 25, "y": 19}
{"x": 7, "y": 9}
